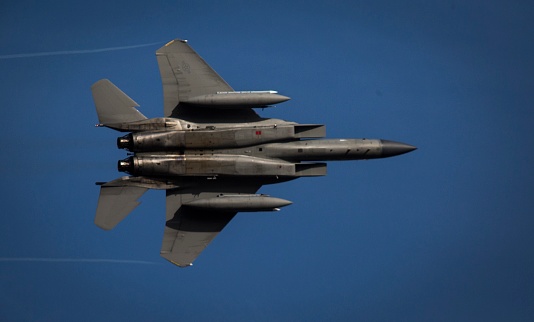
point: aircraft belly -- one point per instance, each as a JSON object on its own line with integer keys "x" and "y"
{"x": 211, "y": 152}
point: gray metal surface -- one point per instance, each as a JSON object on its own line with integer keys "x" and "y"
{"x": 112, "y": 105}
{"x": 211, "y": 153}
{"x": 189, "y": 230}
{"x": 115, "y": 203}
{"x": 184, "y": 75}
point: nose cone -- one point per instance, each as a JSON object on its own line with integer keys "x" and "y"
{"x": 392, "y": 148}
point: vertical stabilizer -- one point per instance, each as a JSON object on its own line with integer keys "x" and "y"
{"x": 112, "y": 105}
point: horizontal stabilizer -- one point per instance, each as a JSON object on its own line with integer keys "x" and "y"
{"x": 113, "y": 105}
{"x": 115, "y": 203}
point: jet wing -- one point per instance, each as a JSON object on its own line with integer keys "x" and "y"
{"x": 188, "y": 231}
{"x": 184, "y": 75}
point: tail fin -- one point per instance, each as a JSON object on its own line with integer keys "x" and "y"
{"x": 112, "y": 105}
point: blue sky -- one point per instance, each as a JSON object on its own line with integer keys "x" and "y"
{"x": 441, "y": 234}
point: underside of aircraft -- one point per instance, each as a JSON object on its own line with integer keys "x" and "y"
{"x": 211, "y": 152}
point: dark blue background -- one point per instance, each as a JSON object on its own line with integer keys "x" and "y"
{"x": 441, "y": 234}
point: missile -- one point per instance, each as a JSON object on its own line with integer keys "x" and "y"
{"x": 239, "y": 203}
{"x": 238, "y": 99}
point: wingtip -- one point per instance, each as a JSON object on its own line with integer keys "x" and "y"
{"x": 182, "y": 265}
{"x": 100, "y": 81}
{"x": 175, "y": 40}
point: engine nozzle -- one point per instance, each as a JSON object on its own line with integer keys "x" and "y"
{"x": 125, "y": 142}
{"x": 126, "y": 165}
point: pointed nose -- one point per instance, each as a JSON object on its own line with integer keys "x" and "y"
{"x": 392, "y": 148}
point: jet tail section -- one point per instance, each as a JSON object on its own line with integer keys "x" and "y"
{"x": 115, "y": 203}
{"x": 113, "y": 105}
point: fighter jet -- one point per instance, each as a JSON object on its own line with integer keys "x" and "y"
{"x": 211, "y": 152}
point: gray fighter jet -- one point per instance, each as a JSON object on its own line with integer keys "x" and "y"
{"x": 211, "y": 152}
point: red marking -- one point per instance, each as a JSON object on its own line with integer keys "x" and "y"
{"x": 258, "y": 132}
